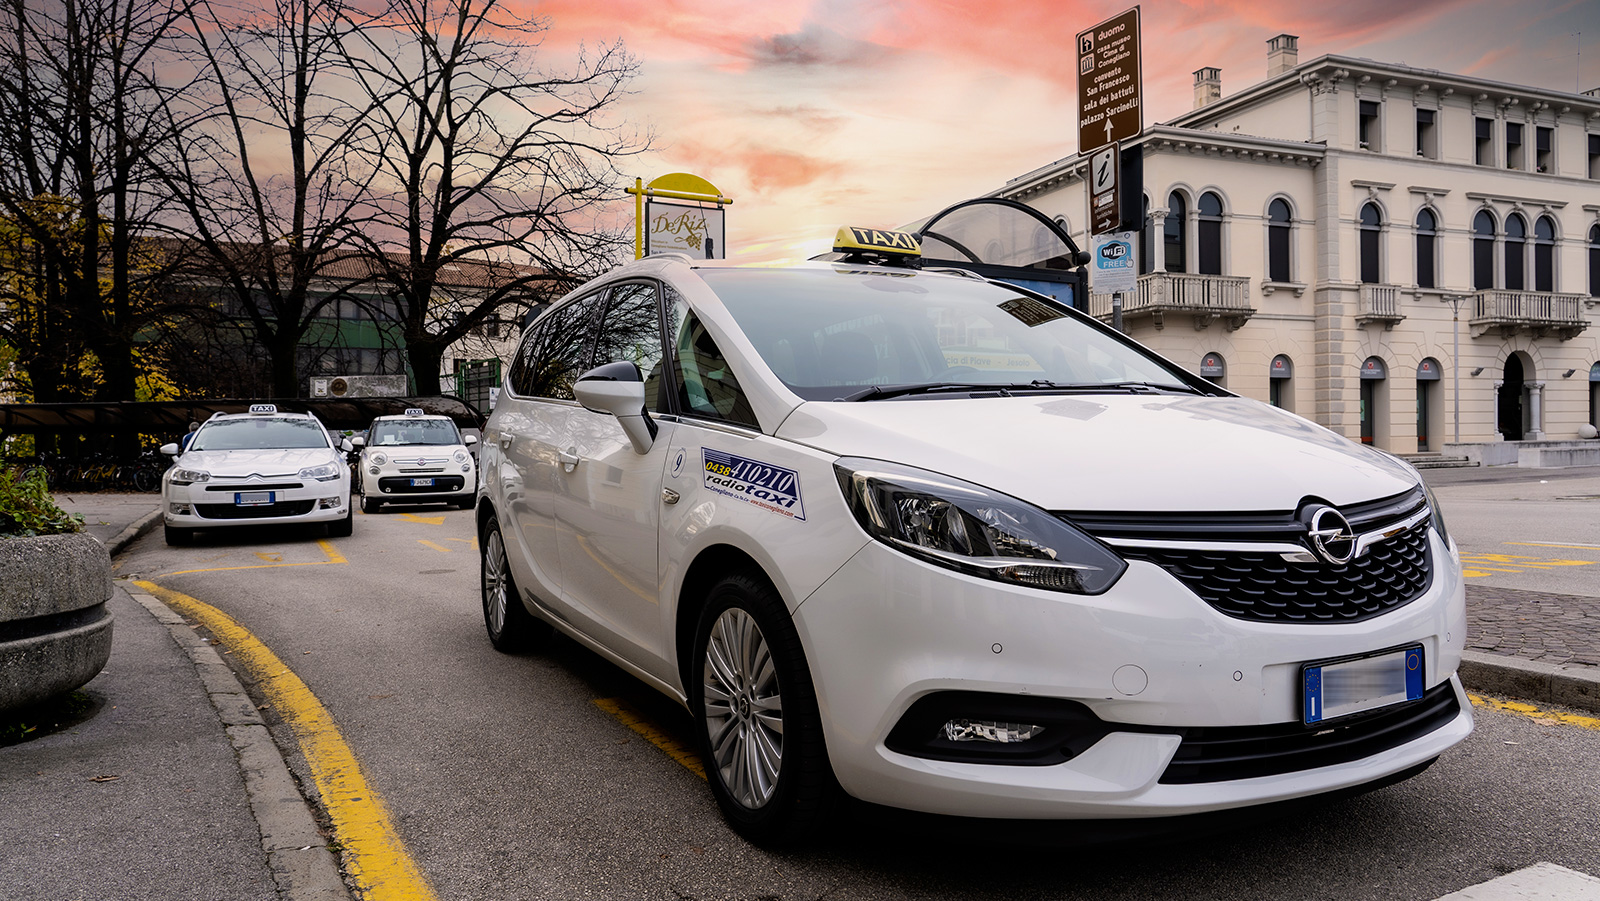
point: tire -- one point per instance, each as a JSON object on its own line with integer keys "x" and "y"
{"x": 177, "y": 537}
{"x": 512, "y": 629}
{"x": 755, "y": 713}
{"x": 343, "y": 528}
{"x": 370, "y": 505}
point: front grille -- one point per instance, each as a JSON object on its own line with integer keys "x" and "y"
{"x": 1261, "y": 585}
{"x": 1264, "y": 586}
{"x": 257, "y": 511}
{"x": 1243, "y": 752}
{"x": 399, "y": 485}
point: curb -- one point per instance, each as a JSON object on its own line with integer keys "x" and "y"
{"x": 127, "y": 536}
{"x": 303, "y": 866}
{"x": 1532, "y": 680}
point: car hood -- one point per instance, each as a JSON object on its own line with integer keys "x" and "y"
{"x": 1112, "y": 452}
{"x": 243, "y": 463}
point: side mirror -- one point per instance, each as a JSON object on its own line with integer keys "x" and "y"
{"x": 347, "y": 445}
{"x": 470, "y": 440}
{"x": 618, "y": 389}
{"x": 357, "y": 441}
{"x": 170, "y": 450}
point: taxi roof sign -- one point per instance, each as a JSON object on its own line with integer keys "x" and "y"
{"x": 415, "y": 411}
{"x": 263, "y": 408}
{"x": 876, "y": 241}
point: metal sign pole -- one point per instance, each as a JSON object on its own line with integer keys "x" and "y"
{"x": 1116, "y": 311}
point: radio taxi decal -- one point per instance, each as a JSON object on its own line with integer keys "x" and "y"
{"x": 754, "y": 482}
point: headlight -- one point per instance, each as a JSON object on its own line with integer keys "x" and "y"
{"x": 1438, "y": 515}
{"x": 461, "y": 456}
{"x": 974, "y": 530}
{"x": 189, "y": 476}
{"x": 327, "y": 472}
{"x": 379, "y": 459}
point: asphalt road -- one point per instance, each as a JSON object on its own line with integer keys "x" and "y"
{"x": 506, "y": 780}
{"x": 1534, "y": 532}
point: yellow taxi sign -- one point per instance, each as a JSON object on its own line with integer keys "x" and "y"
{"x": 854, "y": 240}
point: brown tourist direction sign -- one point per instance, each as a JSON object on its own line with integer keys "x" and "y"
{"x": 1109, "y": 104}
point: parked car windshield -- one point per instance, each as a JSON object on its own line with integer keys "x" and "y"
{"x": 398, "y": 432}
{"x": 259, "y": 434}
{"x": 832, "y": 332}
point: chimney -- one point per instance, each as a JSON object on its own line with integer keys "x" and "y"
{"x": 1283, "y": 54}
{"x": 1207, "y": 86}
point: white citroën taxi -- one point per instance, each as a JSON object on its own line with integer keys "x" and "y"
{"x": 951, "y": 546}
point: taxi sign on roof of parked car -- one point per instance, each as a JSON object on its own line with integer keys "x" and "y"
{"x": 854, "y": 240}
{"x": 414, "y": 411}
{"x": 263, "y": 408}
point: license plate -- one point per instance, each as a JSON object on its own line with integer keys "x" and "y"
{"x": 252, "y": 498}
{"x": 1339, "y": 688}
{"x": 422, "y": 483}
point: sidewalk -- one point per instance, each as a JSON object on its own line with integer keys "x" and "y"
{"x": 172, "y": 788}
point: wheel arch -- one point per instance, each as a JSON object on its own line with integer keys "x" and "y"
{"x": 711, "y": 564}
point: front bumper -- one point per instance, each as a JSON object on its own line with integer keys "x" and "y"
{"x": 213, "y": 504}
{"x": 887, "y": 630}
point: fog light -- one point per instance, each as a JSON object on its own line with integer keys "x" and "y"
{"x": 179, "y": 509}
{"x": 374, "y": 470}
{"x": 328, "y": 503}
{"x": 466, "y": 467}
{"x": 987, "y": 730}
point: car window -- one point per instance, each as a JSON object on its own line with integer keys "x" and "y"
{"x": 401, "y": 432}
{"x": 556, "y": 352}
{"x": 631, "y": 330}
{"x": 259, "y": 434}
{"x": 828, "y": 332}
{"x": 706, "y": 385}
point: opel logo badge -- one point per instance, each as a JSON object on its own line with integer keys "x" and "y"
{"x": 1329, "y": 535}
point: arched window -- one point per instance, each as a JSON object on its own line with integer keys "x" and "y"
{"x": 1483, "y": 251}
{"x": 1371, "y": 231}
{"x": 1279, "y": 378}
{"x": 1278, "y": 233}
{"x": 1213, "y": 368}
{"x": 1427, "y": 243}
{"x": 1544, "y": 254}
{"x": 1172, "y": 233}
{"x": 1516, "y": 250}
{"x": 1594, "y": 261}
{"x": 1210, "y": 234}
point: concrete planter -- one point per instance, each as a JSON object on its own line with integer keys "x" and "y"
{"x": 55, "y": 630}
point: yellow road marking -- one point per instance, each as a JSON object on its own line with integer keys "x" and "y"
{"x": 425, "y": 520}
{"x": 471, "y": 541}
{"x": 373, "y": 854}
{"x": 1536, "y": 713}
{"x": 1581, "y": 547}
{"x": 438, "y": 547}
{"x": 270, "y": 557}
{"x": 633, "y": 719}
{"x": 334, "y": 557}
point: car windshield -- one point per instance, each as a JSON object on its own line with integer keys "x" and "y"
{"x": 399, "y": 432}
{"x": 259, "y": 434}
{"x": 830, "y": 333}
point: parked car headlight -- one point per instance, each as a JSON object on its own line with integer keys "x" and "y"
{"x": 379, "y": 459}
{"x": 974, "y": 530}
{"x": 1437, "y": 515}
{"x": 327, "y": 472}
{"x": 189, "y": 476}
{"x": 461, "y": 456}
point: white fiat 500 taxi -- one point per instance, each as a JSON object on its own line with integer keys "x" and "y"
{"x": 264, "y": 467}
{"x": 950, "y": 546}
{"x": 414, "y": 459}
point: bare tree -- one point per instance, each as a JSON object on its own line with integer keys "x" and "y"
{"x": 269, "y": 189}
{"x": 483, "y": 161}
{"x": 81, "y": 121}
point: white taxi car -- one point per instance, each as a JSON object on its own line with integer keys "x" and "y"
{"x": 415, "y": 458}
{"x": 950, "y": 546}
{"x": 264, "y": 467}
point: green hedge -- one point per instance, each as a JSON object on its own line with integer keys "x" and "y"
{"x": 26, "y": 507}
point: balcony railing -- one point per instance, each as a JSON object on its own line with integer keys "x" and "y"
{"x": 1207, "y": 298}
{"x": 1536, "y": 312}
{"x": 1379, "y": 303}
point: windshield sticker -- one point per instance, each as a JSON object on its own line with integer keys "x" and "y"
{"x": 1031, "y": 312}
{"x": 761, "y": 484}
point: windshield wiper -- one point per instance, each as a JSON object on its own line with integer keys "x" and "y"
{"x": 882, "y": 392}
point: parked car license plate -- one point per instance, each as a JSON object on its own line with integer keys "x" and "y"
{"x": 422, "y": 483}
{"x": 1339, "y": 688}
{"x": 252, "y": 498}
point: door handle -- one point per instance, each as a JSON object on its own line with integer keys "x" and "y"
{"x": 668, "y": 496}
{"x": 505, "y": 439}
{"x": 569, "y": 458}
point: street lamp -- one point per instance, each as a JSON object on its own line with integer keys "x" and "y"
{"x": 1454, "y": 300}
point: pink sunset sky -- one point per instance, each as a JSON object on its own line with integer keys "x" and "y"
{"x": 812, "y": 114}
